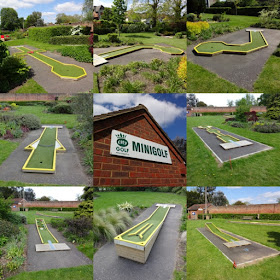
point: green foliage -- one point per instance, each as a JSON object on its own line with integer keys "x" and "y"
{"x": 119, "y": 9}
{"x": 79, "y": 53}
{"x": 44, "y": 34}
{"x": 79, "y": 226}
{"x": 3, "y": 51}
{"x": 85, "y": 209}
{"x": 179, "y": 35}
{"x": 9, "y": 19}
{"x": 125, "y": 206}
{"x": 267, "y": 128}
{"x": 241, "y": 109}
{"x": 273, "y": 107}
{"x": 113, "y": 38}
{"x": 5, "y": 208}
{"x": 70, "y": 40}
{"x": 191, "y": 17}
{"x": 30, "y": 121}
{"x": 61, "y": 108}
{"x": 60, "y": 224}
{"x": 35, "y": 19}
{"x": 7, "y": 228}
{"x": 220, "y": 18}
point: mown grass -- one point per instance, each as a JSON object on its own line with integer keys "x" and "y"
{"x": 7, "y": 147}
{"x": 260, "y": 169}
{"x": 69, "y": 120}
{"x": 200, "y": 80}
{"x": 206, "y": 262}
{"x": 84, "y": 272}
{"x": 145, "y": 199}
{"x": 31, "y": 215}
{"x": 151, "y": 38}
{"x": 31, "y": 86}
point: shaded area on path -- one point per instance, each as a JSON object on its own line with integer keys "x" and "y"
{"x": 160, "y": 263}
{"x": 48, "y": 260}
{"x": 68, "y": 167}
{"x": 242, "y": 70}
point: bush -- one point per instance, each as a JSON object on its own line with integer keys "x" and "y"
{"x": 79, "y": 226}
{"x": 267, "y": 128}
{"x": 30, "y": 121}
{"x": 79, "y": 53}
{"x": 195, "y": 28}
{"x": 191, "y": 17}
{"x": 179, "y": 35}
{"x": 7, "y": 228}
{"x": 238, "y": 124}
{"x": 60, "y": 224}
{"x": 95, "y": 38}
{"x": 44, "y": 34}
{"x": 220, "y": 18}
{"x": 113, "y": 38}
{"x": 70, "y": 40}
{"x": 61, "y": 108}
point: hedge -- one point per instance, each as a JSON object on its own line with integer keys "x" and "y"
{"x": 245, "y": 11}
{"x": 49, "y": 209}
{"x": 240, "y": 216}
{"x": 44, "y": 34}
{"x": 71, "y": 40}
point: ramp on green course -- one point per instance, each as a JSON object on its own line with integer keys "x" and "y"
{"x": 226, "y": 138}
{"x": 256, "y": 42}
{"x": 63, "y": 70}
{"x": 44, "y": 233}
{"x": 226, "y": 237}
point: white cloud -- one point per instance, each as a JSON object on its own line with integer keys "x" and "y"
{"x": 107, "y": 3}
{"x": 16, "y": 4}
{"x": 233, "y": 187}
{"x": 49, "y": 16}
{"x": 164, "y": 112}
{"x": 268, "y": 197}
{"x": 38, "y": 1}
{"x": 48, "y": 13}
{"x": 99, "y": 109}
{"x": 68, "y": 7}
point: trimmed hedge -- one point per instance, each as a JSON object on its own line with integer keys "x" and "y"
{"x": 245, "y": 11}
{"x": 240, "y": 216}
{"x": 44, "y": 34}
{"x": 71, "y": 40}
{"x": 50, "y": 208}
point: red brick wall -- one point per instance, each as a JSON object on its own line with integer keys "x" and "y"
{"x": 52, "y": 204}
{"x": 14, "y": 97}
{"x": 246, "y": 209}
{"x": 115, "y": 171}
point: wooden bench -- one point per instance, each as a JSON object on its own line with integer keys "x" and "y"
{"x": 248, "y": 218}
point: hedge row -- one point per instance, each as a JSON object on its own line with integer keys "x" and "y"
{"x": 240, "y": 216}
{"x": 49, "y": 209}
{"x": 44, "y": 34}
{"x": 71, "y": 40}
{"x": 245, "y": 11}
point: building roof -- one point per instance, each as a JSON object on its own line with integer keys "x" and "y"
{"x": 134, "y": 109}
{"x": 195, "y": 207}
{"x": 17, "y": 200}
{"x": 97, "y": 8}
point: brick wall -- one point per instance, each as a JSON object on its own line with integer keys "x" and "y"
{"x": 115, "y": 171}
{"x": 246, "y": 209}
{"x": 14, "y": 97}
{"x": 52, "y": 204}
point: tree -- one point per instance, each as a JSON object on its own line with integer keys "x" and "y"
{"x": 196, "y": 6}
{"x": 35, "y": 19}
{"x": 278, "y": 200}
{"x": 177, "y": 7}
{"x": 239, "y": 202}
{"x": 29, "y": 194}
{"x": 230, "y": 103}
{"x": 273, "y": 106}
{"x": 201, "y": 104}
{"x": 210, "y": 193}
{"x": 87, "y": 10}
{"x": 194, "y": 197}
{"x": 264, "y": 99}
{"x": 219, "y": 199}
{"x": 9, "y": 19}
{"x": 244, "y": 105}
{"x": 5, "y": 208}
{"x": 192, "y": 100}
{"x": 63, "y": 18}
{"x": 118, "y": 11}
{"x": 181, "y": 145}
{"x": 44, "y": 198}
{"x": 88, "y": 193}
{"x": 107, "y": 14}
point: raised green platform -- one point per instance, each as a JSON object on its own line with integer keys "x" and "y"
{"x": 226, "y": 237}
{"x": 45, "y": 235}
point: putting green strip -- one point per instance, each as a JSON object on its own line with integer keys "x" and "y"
{"x": 226, "y": 237}
{"x": 44, "y": 233}
{"x": 126, "y": 50}
{"x": 226, "y": 138}
{"x": 141, "y": 233}
{"x": 257, "y": 41}
{"x": 43, "y": 157}
{"x": 63, "y": 70}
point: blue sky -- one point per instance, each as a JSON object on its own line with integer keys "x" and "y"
{"x": 169, "y": 110}
{"x": 253, "y": 195}
{"x": 48, "y": 8}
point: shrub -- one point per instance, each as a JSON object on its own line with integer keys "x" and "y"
{"x": 79, "y": 53}
{"x": 7, "y": 228}
{"x": 113, "y": 38}
{"x": 61, "y": 108}
{"x": 191, "y": 17}
{"x": 125, "y": 206}
{"x": 76, "y": 30}
{"x": 267, "y": 128}
{"x": 135, "y": 28}
{"x": 238, "y": 124}
{"x": 182, "y": 70}
{"x": 43, "y": 34}
{"x": 95, "y": 38}
{"x": 179, "y": 35}
{"x": 71, "y": 40}
{"x": 220, "y": 18}
{"x": 60, "y": 224}
{"x": 195, "y": 28}
{"x": 30, "y": 121}
{"x": 79, "y": 226}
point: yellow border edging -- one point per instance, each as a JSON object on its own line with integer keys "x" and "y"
{"x": 221, "y": 232}
{"x": 46, "y": 229}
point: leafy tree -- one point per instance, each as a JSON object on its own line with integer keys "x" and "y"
{"x": 107, "y": 14}
{"x": 9, "y": 19}
{"x": 85, "y": 209}
{"x": 192, "y": 100}
{"x": 210, "y": 193}
{"x": 88, "y": 193}
{"x": 119, "y": 9}
{"x": 273, "y": 106}
{"x": 5, "y": 207}
{"x": 194, "y": 197}
{"x": 196, "y": 6}
{"x": 87, "y": 10}
{"x": 29, "y": 194}
{"x": 230, "y": 103}
{"x": 3, "y": 51}
{"x": 244, "y": 105}
{"x": 201, "y": 104}
{"x": 181, "y": 145}
{"x": 44, "y": 198}
{"x": 238, "y": 202}
{"x": 264, "y": 99}
{"x": 63, "y": 18}
{"x": 219, "y": 199}
{"x": 35, "y": 19}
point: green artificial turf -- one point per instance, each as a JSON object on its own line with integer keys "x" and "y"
{"x": 7, "y": 147}
{"x": 155, "y": 220}
{"x": 145, "y": 199}
{"x": 226, "y": 138}
{"x": 31, "y": 86}
{"x": 261, "y": 169}
{"x": 214, "y": 47}
{"x": 222, "y": 235}
{"x": 71, "y": 273}
{"x": 43, "y": 156}
{"x": 200, "y": 80}
{"x": 206, "y": 262}
{"x": 46, "y": 236}
{"x": 64, "y": 70}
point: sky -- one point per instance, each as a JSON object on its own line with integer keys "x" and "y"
{"x": 169, "y": 110}
{"x": 59, "y": 193}
{"x": 105, "y": 3}
{"x": 220, "y": 99}
{"x": 253, "y": 195}
{"x": 48, "y": 8}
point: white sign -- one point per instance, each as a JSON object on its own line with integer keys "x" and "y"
{"x": 126, "y": 145}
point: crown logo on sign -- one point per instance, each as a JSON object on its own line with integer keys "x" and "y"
{"x": 121, "y": 136}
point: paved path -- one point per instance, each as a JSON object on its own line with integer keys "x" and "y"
{"x": 48, "y": 260}
{"x": 51, "y": 82}
{"x": 68, "y": 167}
{"x": 161, "y": 262}
{"x": 242, "y": 70}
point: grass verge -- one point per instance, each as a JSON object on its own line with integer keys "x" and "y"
{"x": 7, "y": 147}
{"x": 31, "y": 86}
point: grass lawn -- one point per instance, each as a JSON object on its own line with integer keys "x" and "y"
{"x": 146, "y": 199}
{"x": 150, "y": 38}
{"x": 206, "y": 262}
{"x": 84, "y": 272}
{"x": 256, "y": 170}
{"x": 235, "y": 21}
{"x": 30, "y": 86}
{"x": 31, "y": 215}
{"x": 269, "y": 79}
{"x": 7, "y": 147}
{"x": 200, "y": 80}
{"x": 69, "y": 120}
